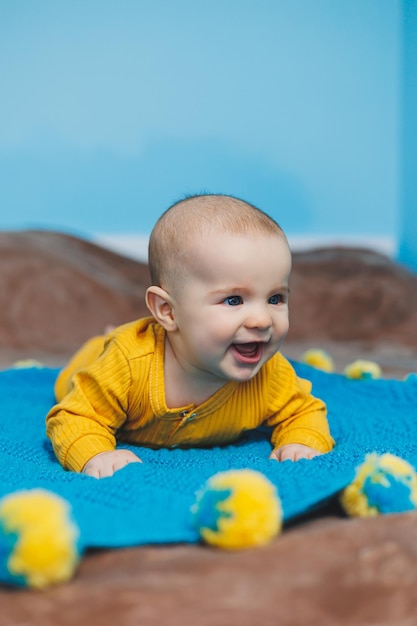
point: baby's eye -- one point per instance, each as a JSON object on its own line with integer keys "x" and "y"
{"x": 277, "y": 298}
{"x": 234, "y": 300}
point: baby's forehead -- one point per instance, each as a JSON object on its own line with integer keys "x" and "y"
{"x": 219, "y": 252}
{"x": 235, "y": 249}
{"x": 237, "y": 237}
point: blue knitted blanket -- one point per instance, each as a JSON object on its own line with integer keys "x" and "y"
{"x": 150, "y": 502}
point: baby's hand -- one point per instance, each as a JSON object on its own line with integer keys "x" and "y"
{"x": 293, "y": 452}
{"x": 107, "y": 463}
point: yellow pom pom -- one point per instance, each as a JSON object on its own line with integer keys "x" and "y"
{"x": 383, "y": 484}
{"x": 319, "y": 359}
{"x": 238, "y": 509}
{"x": 38, "y": 539}
{"x": 363, "y": 370}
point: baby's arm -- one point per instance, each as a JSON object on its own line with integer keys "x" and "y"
{"x": 85, "y": 422}
{"x": 107, "y": 463}
{"x": 293, "y": 452}
{"x": 300, "y": 426}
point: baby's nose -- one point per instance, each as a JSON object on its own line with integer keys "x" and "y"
{"x": 259, "y": 318}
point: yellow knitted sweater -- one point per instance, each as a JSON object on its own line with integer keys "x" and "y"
{"x": 120, "y": 396}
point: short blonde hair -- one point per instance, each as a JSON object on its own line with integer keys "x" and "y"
{"x": 173, "y": 236}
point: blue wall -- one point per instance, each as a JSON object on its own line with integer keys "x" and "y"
{"x": 110, "y": 111}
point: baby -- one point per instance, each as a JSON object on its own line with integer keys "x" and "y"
{"x": 206, "y": 366}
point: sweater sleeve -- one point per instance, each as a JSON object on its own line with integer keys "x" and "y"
{"x": 84, "y": 423}
{"x": 84, "y": 357}
{"x": 298, "y": 417}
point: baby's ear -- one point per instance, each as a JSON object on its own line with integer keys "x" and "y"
{"x": 159, "y": 303}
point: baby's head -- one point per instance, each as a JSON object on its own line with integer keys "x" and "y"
{"x": 185, "y": 226}
{"x": 220, "y": 269}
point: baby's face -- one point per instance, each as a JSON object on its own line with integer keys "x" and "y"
{"x": 232, "y": 313}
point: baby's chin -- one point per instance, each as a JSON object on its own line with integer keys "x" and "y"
{"x": 244, "y": 374}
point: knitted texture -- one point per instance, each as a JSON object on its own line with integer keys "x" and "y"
{"x": 151, "y": 502}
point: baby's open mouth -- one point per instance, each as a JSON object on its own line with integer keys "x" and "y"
{"x": 247, "y": 349}
{"x": 248, "y": 352}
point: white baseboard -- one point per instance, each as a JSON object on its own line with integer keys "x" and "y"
{"x": 132, "y": 246}
{"x": 383, "y": 245}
